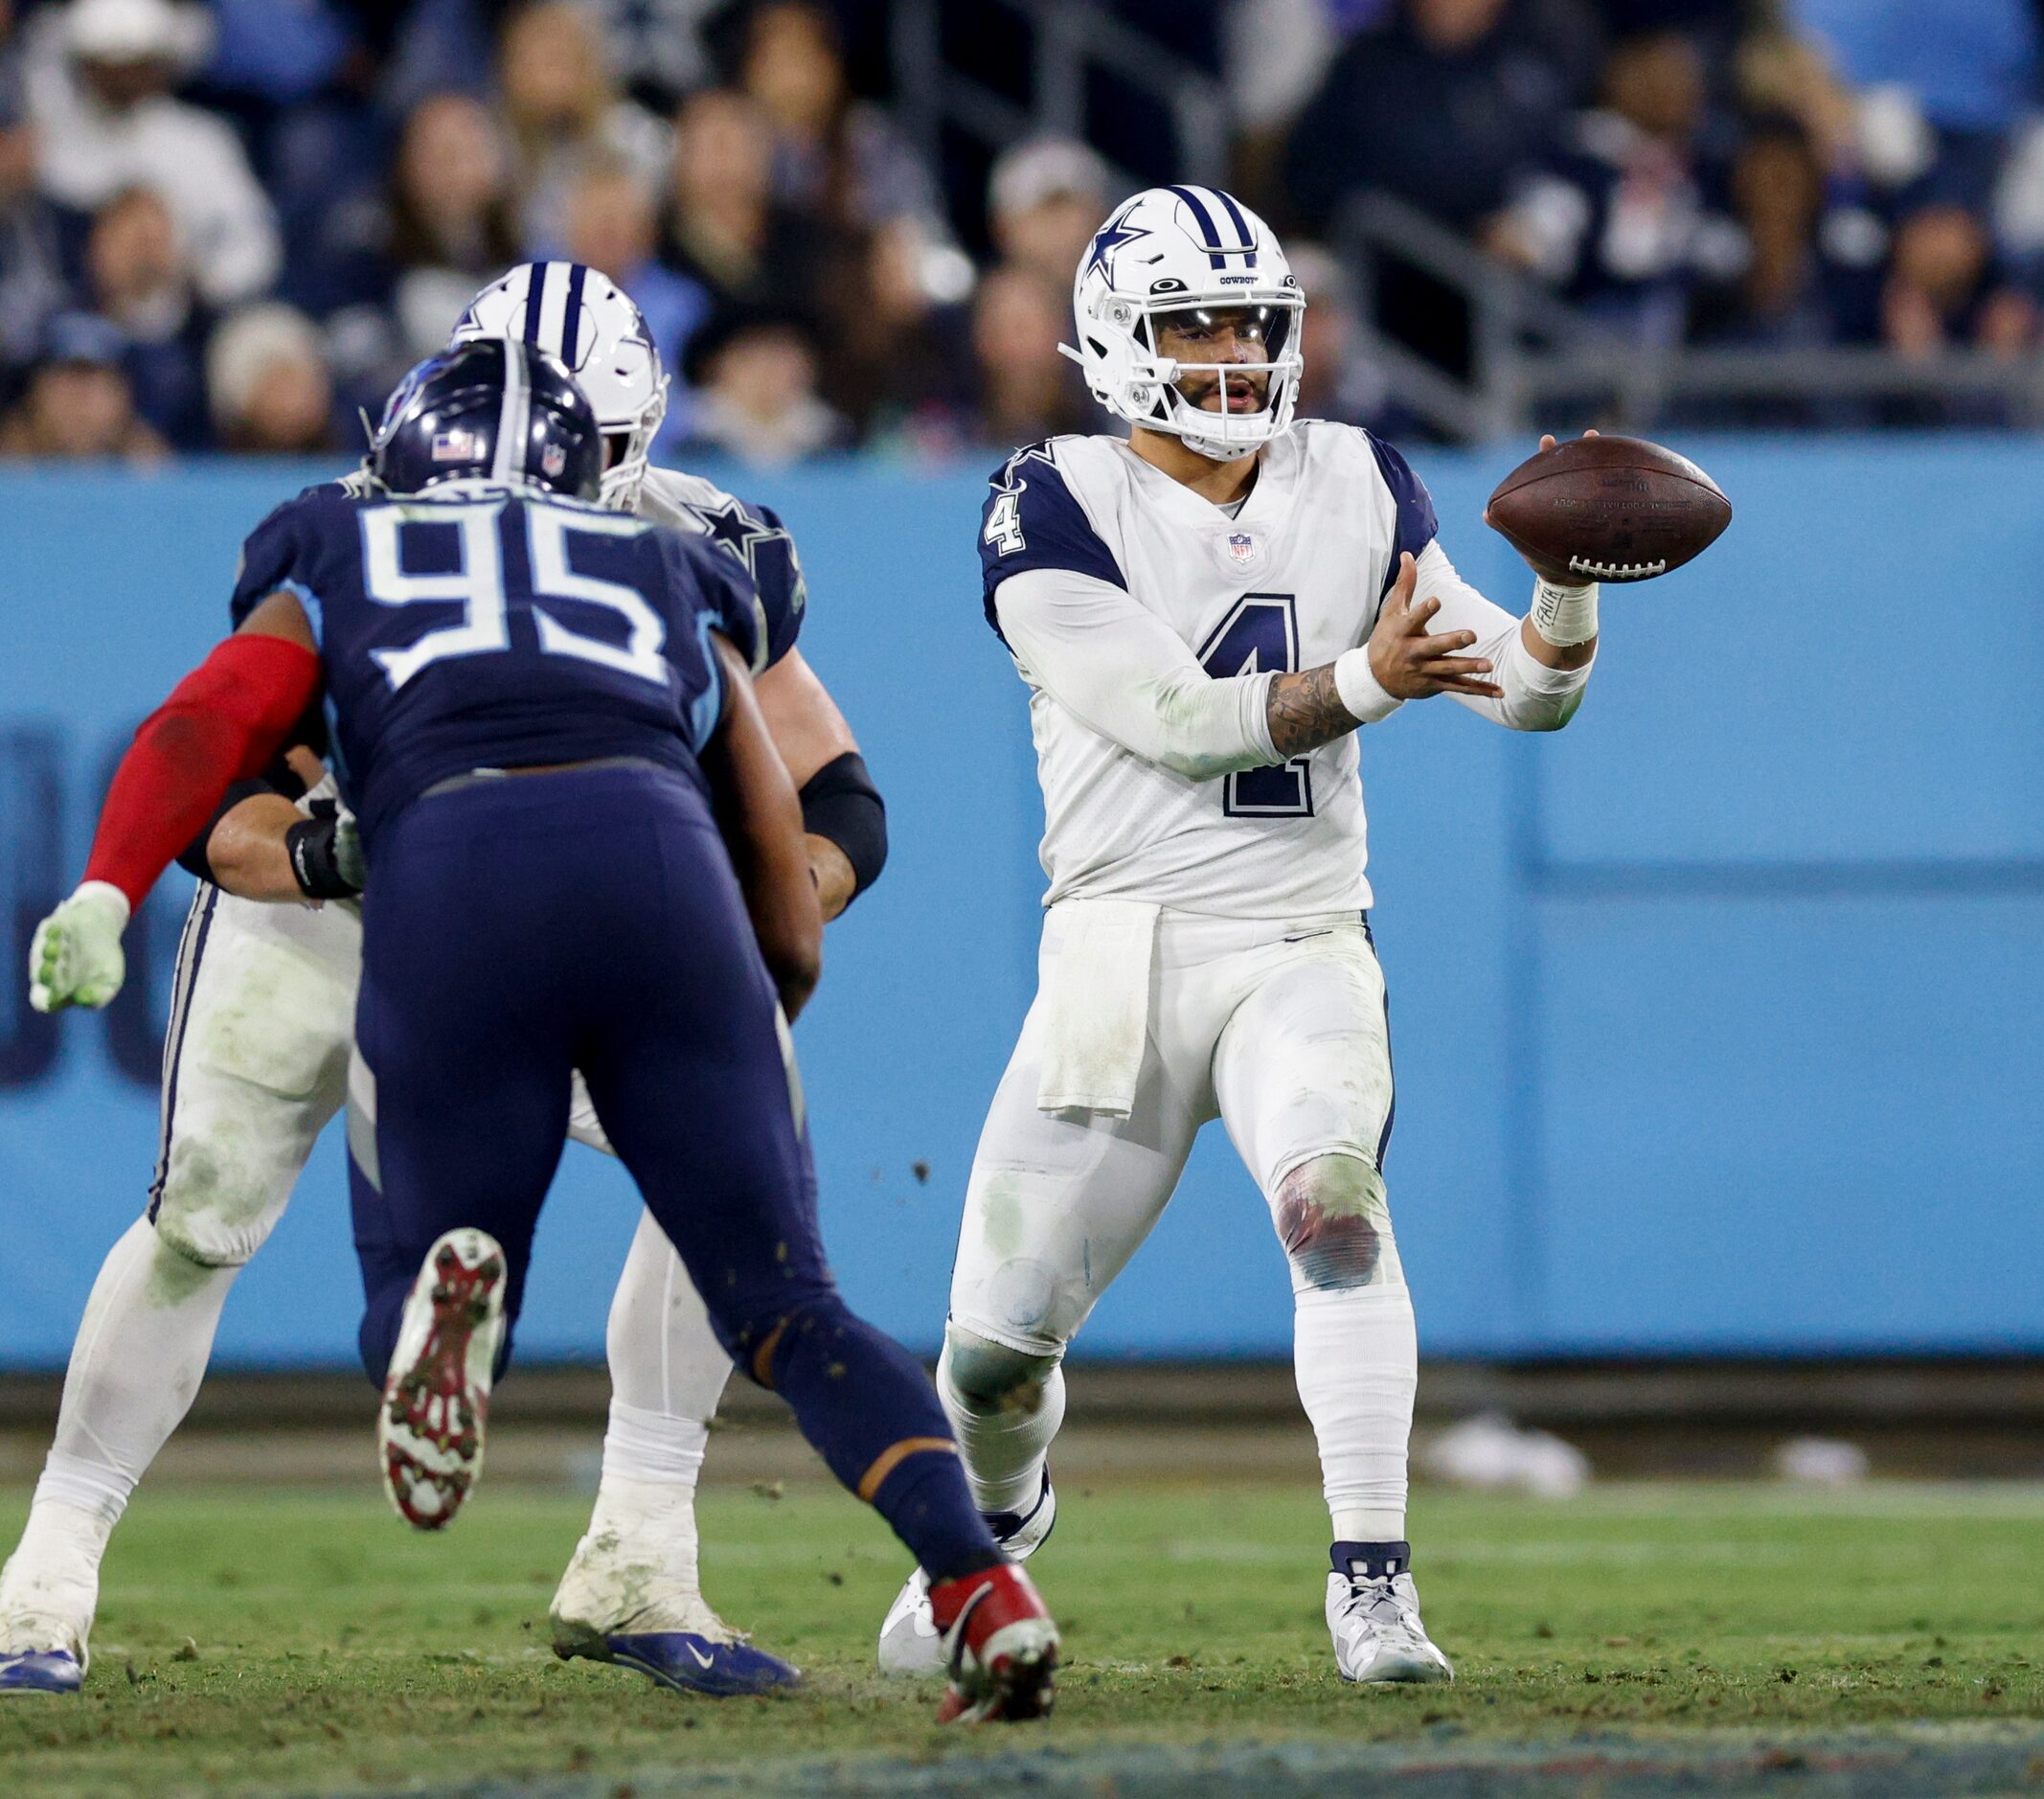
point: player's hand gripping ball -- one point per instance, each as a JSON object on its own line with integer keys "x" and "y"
{"x": 1607, "y": 509}
{"x": 75, "y": 958}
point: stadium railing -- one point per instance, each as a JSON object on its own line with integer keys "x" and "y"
{"x": 1531, "y": 355}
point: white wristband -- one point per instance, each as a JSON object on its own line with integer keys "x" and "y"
{"x": 1565, "y": 616}
{"x": 1361, "y": 692}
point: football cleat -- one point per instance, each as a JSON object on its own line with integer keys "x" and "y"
{"x": 40, "y": 1670}
{"x": 716, "y": 1661}
{"x": 1373, "y": 1616}
{"x": 910, "y": 1642}
{"x": 436, "y": 1398}
{"x": 630, "y": 1597}
{"x": 1000, "y": 1647}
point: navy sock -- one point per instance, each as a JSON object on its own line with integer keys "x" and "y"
{"x": 930, "y": 1507}
{"x": 1371, "y": 1560}
{"x": 861, "y": 1399}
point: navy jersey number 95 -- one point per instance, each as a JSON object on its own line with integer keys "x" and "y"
{"x": 495, "y": 630}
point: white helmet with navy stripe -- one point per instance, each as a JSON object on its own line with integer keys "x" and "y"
{"x": 1194, "y": 259}
{"x": 590, "y": 323}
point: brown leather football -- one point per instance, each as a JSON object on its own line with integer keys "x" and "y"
{"x": 1608, "y": 509}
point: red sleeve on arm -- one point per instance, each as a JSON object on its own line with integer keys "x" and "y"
{"x": 222, "y": 724}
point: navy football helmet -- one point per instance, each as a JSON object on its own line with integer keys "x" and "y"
{"x": 491, "y": 409}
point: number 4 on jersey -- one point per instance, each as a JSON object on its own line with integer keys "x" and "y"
{"x": 1004, "y": 523}
{"x": 1260, "y": 636}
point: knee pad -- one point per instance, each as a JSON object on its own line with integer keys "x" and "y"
{"x": 991, "y": 1377}
{"x": 1335, "y": 1226}
{"x": 211, "y": 1210}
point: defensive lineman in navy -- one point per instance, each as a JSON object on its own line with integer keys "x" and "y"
{"x": 587, "y": 854}
{"x": 1207, "y": 615}
{"x": 255, "y": 1067}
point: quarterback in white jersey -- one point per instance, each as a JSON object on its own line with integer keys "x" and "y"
{"x": 1205, "y": 615}
{"x": 256, "y": 1063}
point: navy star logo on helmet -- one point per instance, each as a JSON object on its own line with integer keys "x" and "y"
{"x": 1109, "y": 239}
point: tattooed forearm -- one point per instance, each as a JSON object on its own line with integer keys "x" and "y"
{"x": 1306, "y": 711}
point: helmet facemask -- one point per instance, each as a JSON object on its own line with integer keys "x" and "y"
{"x": 1221, "y": 406}
{"x": 1134, "y": 376}
{"x": 629, "y": 443}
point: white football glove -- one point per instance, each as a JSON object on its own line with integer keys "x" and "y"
{"x": 76, "y": 958}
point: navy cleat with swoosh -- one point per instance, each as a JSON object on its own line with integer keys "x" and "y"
{"x": 683, "y": 1661}
{"x": 40, "y": 1670}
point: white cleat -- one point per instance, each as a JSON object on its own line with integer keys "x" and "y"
{"x": 1379, "y": 1638}
{"x": 910, "y": 1642}
{"x": 436, "y": 1398}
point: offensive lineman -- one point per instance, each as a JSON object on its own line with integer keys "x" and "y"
{"x": 1205, "y": 615}
{"x": 256, "y": 1065}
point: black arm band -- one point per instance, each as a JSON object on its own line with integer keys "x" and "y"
{"x": 193, "y": 858}
{"x": 310, "y": 844}
{"x": 840, "y": 802}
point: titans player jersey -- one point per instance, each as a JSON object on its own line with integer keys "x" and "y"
{"x": 497, "y": 628}
{"x": 751, "y": 534}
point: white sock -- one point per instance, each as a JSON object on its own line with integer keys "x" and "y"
{"x": 664, "y": 1356}
{"x": 647, "y": 1499}
{"x": 139, "y": 1355}
{"x": 638, "y": 1565}
{"x": 1004, "y": 1449}
{"x": 1357, "y": 1359}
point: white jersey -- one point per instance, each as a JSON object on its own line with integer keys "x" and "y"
{"x": 1290, "y": 582}
{"x": 753, "y": 533}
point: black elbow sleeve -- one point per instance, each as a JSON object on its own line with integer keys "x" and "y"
{"x": 840, "y": 802}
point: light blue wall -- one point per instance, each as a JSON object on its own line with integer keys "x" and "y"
{"x": 1718, "y": 1019}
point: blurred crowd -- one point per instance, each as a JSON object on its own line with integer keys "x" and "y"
{"x": 1776, "y": 175}
{"x": 231, "y": 225}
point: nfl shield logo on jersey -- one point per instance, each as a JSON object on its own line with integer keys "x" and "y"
{"x": 1241, "y": 548}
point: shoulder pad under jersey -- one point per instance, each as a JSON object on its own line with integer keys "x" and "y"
{"x": 751, "y": 533}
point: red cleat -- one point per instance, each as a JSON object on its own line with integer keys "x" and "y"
{"x": 436, "y": 1398}
{"x": 1000, "y": 1644}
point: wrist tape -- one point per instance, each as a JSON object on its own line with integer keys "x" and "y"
{"x": 1565, "y": 616}
{"x": 1362, "y": 694}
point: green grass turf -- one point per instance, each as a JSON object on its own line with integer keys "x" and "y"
{"x": 310, "y": 1643}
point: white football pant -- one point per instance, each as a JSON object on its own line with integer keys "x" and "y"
{"x": 1276, "y": 1027}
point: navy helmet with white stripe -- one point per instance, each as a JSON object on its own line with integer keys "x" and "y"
{"x": 581, "y": 315}
{"x": 1198, "y": 260}
{"x": 493, "y": 409}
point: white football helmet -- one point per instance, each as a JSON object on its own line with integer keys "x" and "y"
{"x": 1188, "y": 251}
{"x": 590, "y": 323}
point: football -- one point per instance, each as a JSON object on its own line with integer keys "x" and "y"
{"x": 1608, "y": 509}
